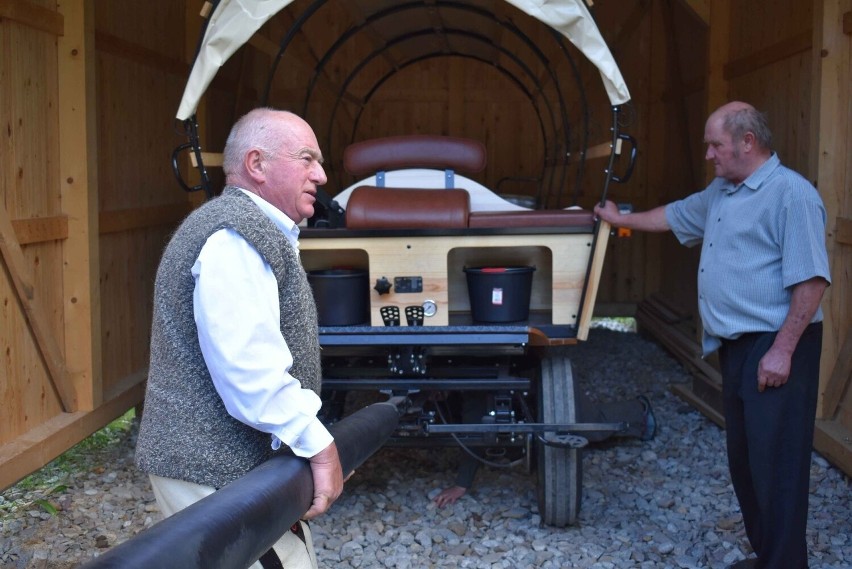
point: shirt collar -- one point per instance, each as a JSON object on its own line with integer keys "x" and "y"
{"x": 287, "y": 226}
{"x": 757, "y": 178}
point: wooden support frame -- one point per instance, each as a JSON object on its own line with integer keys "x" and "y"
{"x": 22, "y": 278}
{"x": 79, "y": 193}
{"x": 33, "y": 15}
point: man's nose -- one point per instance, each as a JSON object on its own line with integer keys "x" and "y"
{"x": 319, "y": 175}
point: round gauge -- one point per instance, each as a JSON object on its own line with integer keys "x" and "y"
{"x": 429, "y": 308}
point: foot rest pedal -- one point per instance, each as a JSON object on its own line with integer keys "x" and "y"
{"x": 390, "y": 315}
{"x": 414, "y": 315}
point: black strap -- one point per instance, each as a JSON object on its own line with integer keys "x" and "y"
{"x": 270, "y": 560}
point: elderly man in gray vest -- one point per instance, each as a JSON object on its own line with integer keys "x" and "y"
{"x": 761, "y": 278}
{"x": 235, "y": 362}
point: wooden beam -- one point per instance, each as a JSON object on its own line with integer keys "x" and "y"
{"x": 840, "y": 378}
{"x": 719, "y": 52}
{"x": 834, "y": 442}
{"x": 769, "y": 55}
{"x": 22, "y": 279}
{"x": 141, "y": 218}
{"x": 699, "y": 9}
{"x": 78, "y": 174}
{"x": 40, "y": 229}
{"x": 33, "y": 16}
{"x": 264, "y": 45}
{"x": 843, "y": 234}
{"x": 847, "y": 23}
{"x": 34, "y": 449}
{"x": 592, "y": 285}
{"x": 627, "y": 26}
{"x": 210, "y": 159}
{"x": 114, "y": 45}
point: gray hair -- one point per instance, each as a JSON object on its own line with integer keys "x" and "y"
{"x": 252, "y": 131}
{"x": 738, "y": 122}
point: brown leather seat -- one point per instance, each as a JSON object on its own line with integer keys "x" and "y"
{"x": 414, "y": 151}
{"x": 534, "y": 218}
{"x": 398, "y": 208}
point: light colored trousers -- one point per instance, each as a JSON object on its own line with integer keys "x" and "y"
{"x": 175, "y": 495}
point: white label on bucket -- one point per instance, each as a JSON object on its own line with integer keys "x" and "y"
{"x": 497, "y": 296}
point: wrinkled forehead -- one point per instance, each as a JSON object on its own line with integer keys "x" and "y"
{"x": 714, "y": 129}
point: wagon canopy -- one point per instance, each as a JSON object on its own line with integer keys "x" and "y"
{"x": 233, "y": 22}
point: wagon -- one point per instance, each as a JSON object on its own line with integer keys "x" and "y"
{"x": 433, "y": 287}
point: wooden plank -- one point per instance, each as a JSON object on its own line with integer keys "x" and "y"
{"x": 594, "y": 281}
{"x": 79, "y": 190}
{"x": 210, "y": 159}
{"x": 834, "y": 442}
{"x": 685, "y": 392}
{"x": 40, "y": 229}
{"x": 113, "y": 45}
{"x": 843, "y": 234}
{"x": 141, "y": 218}
{"x": 769, "y": 55}
{"x": 700, "y": 9}
{"x": 264, "y": 45}
{"x": 22, "y": 278}
{"x": 840, "y": 378}
{"x": 831, "y": 153}
{"x": 33, "y": 16}
{"x": 31, "y": 451}
{"x": 719, "y": 50}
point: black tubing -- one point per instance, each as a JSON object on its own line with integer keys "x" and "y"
{"x": 233, "y": 527}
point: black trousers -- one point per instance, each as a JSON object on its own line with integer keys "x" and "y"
{"x": 770, "y": 439}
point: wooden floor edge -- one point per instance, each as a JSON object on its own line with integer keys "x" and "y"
{"x": 833, "y": 441}
{"x": 684, "y": 391}
{"x": 32, "y": 450}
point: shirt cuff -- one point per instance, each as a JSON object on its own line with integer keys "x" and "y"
{"x": 313, "y": 439}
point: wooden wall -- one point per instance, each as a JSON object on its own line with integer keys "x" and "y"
{"x": 88, "y": 95}
{"x": 86, "y": 101}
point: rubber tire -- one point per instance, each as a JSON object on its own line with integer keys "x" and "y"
{"x": 560, "y": 470}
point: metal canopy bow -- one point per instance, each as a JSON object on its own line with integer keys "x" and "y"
{"x": 235, "y": 21}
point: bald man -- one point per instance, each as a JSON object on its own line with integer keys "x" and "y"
{"x": 761, "y": 278}
{"x": 235, "y": 360}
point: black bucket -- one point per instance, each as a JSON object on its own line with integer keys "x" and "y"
{"x": 499, "y": 294}
{"x": 342, "y": 296}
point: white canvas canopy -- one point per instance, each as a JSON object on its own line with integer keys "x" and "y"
{"x": 235, "y": 21}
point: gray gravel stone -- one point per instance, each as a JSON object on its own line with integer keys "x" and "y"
{"x": 662, "y": 504}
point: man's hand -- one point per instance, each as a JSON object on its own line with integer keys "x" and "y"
{"x": 651, "y": 220}
{"x": 328, "y": 480}
{"x": 609, "y": 212}
{"x": 774, "y": 367}
{"x": 773, "y": 370}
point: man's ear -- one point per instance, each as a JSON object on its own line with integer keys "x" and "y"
{"x": 748, "y": 140}
{"x": 253, "y": 163}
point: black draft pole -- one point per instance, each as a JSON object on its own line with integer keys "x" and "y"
{"x": 233, "y": 527}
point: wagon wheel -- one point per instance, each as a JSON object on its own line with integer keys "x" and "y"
{"x": 560, "y": 470}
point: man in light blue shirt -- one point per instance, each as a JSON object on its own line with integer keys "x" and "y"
{"x": 762, "y": 274}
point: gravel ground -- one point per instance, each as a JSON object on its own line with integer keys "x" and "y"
{"x": 667, "y": 503}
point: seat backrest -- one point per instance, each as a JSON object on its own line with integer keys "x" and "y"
{"x": 414, "y": 151}
{"x": 370, "y": 207}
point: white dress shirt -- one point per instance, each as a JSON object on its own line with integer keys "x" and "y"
{"x": 238, "y": 319}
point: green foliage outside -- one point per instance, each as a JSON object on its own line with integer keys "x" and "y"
{"x": 50, "y": 481}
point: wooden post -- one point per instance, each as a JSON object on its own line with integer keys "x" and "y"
{"x": 831, "y": 164}
{"x": 79, "y": 193}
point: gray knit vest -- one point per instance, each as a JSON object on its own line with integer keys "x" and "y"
{"x": 186, "y": 433}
